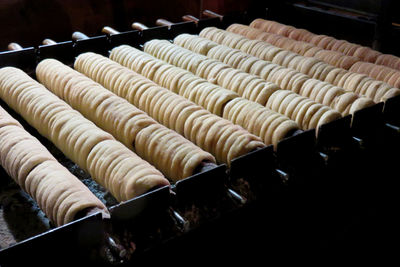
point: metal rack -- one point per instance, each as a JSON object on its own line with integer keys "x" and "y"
{"x": 276, "y": 194}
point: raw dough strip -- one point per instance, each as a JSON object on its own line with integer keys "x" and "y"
{"x": 168, "y": 108}
{"x": 118, "y": 117}
{"x": 248, "y": 89}
{"x": 257, "y": 94}
{"x": 323, "y": 41}
{"x": 364, "y": 53}
{"x": 307, "y": 65}
{"x": 190, "y": 79}
{"x": 213, "y": 98}
{"x": 378, "y": 72}
{"x": 33, "y": 168}
{"x": 303, "y": 48}
{"x": 254, "y": 117}
{"x": 314, "y": 68}
{"x": 78, "y": 138}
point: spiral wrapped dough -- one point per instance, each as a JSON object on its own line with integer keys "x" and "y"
{"x": 188, "y": 85}
{"x": 108, "y": 161}
{"x": 127, "y": 123}
{"x": 58, "y": 193}
{"x": 236, "y": 80}
{"x": 168, "y": 108}
{"x": 323, "y": 41}
{"x": 315, "y": 62}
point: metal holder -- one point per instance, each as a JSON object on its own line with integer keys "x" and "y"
{"x": 303, "y": 167}
{"x": 79, "y": 238}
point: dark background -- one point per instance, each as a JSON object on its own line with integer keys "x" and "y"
{"x": 28, "y": 22}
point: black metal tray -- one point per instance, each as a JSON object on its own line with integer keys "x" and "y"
{"x": 279, "y": 182}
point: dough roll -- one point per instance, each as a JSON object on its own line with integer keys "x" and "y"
{"x": 323, "y": 41}
{"x": 244, "y": 84}
{"x": 58, "y": 193}
{"x": 374, "y": 85}
{"x": 363, "y": 53}
{"x": 334, "y": 58}
{"x": 168, "y": 108}
{"x": 378, "y": 72}
{"x": 124, "y": 174}
{"x": 316, "y": 69}
{"x": 190, "y": 86}
{"x": 128, "y": 124}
